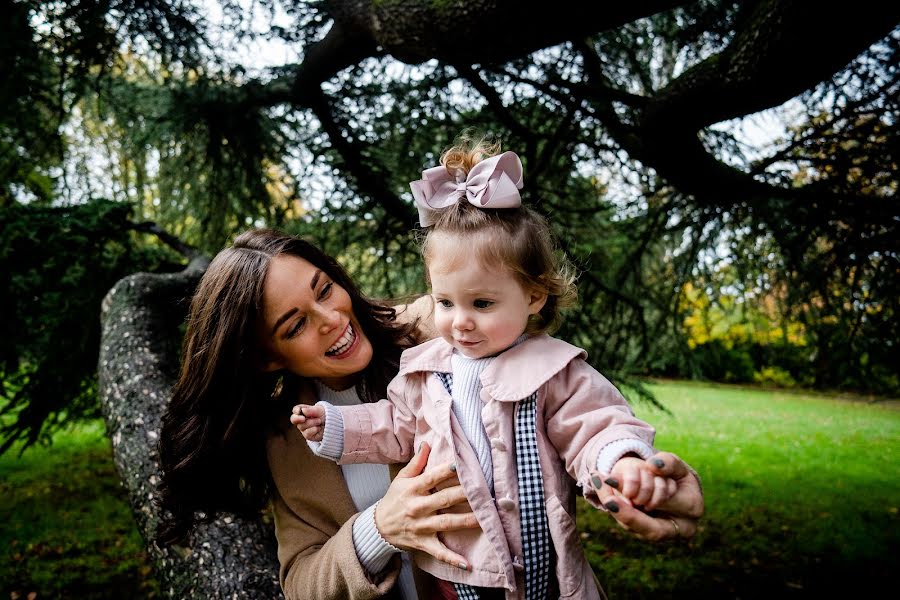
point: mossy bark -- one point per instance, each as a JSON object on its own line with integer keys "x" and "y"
{"x": 141, "y": 321}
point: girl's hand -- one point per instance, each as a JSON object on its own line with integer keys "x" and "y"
{"x": 677, "y": 517}
{"x": 688, "y": 498}
{"x": 409, "y": 516}
{"x": 635, "y": 480}
{"x": 310, "y": 420}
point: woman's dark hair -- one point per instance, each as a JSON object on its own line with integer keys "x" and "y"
{"x": 213, "y": 436}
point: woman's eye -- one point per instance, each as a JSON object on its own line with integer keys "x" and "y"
{"x": 482, "y": 303}
{"x": 326, "y": 290}
{"x": 297, "y": 327}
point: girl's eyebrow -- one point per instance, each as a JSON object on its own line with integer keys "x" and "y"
{"x": 469, "y": 291}
{"x": 290, "y": 312}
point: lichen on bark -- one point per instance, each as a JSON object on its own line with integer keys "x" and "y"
{"x": 141, "y": 320}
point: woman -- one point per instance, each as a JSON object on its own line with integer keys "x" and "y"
{"x": 274, "y": 319}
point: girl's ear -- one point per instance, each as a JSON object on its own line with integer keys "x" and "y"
{"x": 536, "y": 301}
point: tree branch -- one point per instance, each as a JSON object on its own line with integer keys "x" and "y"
{"x": 454, "y": 32}
{"x": 140, "y": 317}
{"x": 780, "y": 50}
{"x": 665, "y": 136}
{"x": 167, "y": 238}
{"x": 495, "y": 103}
{"x": 369, "y": 181}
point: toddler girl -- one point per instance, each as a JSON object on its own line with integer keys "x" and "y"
{"x": 522, "y": 415}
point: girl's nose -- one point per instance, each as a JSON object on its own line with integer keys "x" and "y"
{"x": 462, "y": 321}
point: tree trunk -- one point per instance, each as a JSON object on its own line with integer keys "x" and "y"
{"x": 139, "y": 349}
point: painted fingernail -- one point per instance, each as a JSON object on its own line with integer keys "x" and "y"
{"x": 420, "y": 447}
{"x": 612, "y": 506}
{"x": 596, "y": 481}
{"x": 453, "y": 468}
{"x": 463, "y": 566}
{"x": 611, "y": 482}
{"x": 658, "y": 463}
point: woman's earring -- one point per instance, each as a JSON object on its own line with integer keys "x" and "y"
{"x": 276, "y": 391}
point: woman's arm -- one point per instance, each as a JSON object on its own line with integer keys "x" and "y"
{"x": 410, "y": 514}
{"x": 314, "y": 517}
{"x": 317, "y": 566}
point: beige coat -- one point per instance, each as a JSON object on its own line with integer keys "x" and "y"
{"x": 314, "y": 515}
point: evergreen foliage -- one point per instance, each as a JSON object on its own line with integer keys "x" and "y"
{"x": 56, "y": 265}
{"x": 628, "y": 120}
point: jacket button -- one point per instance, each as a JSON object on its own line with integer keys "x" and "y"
{"x": 517, "y": 564}
{"x": 506, "y": 503}
{"x": 498, "y": 444}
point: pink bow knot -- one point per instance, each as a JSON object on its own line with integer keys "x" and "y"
{"x": 493, "y": 183}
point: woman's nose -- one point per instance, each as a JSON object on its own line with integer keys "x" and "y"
{"x": 329, "y": 319}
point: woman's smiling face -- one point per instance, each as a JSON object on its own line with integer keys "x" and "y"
{"x": 308, "y": 325}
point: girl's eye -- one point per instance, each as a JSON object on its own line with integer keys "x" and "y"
{"x": 326, "y": 290}
{"x": 297, "y": 328}
{"x": 445, "y": 303}
{"x": 482, "y": 303}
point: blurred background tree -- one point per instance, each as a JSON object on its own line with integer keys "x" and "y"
{"x": 724, "y": 174}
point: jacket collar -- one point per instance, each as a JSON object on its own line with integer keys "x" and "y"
{"x": 512, "y": 376}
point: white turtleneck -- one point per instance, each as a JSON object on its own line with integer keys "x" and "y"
{"x": 367, "y": 484}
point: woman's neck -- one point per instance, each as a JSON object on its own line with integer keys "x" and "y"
{"x": 339, "y": 384}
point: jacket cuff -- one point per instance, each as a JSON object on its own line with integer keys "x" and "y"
{"x": 373, "y": 551}
{"x": 612, "y": 452}
{"x": 332, "y": 444}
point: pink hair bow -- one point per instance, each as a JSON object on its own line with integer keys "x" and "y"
{"x": 493, "y": 183}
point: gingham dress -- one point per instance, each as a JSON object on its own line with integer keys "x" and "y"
{"x": 536, "y": 548}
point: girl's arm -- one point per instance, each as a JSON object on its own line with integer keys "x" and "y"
{"x": 384, "y": 431}
{"x": 381, "y": 433}
{"x": 588, "y": 419}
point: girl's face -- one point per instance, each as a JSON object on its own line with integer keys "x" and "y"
{"x": 308, "y": 325}
{"x": 479, "y": 310}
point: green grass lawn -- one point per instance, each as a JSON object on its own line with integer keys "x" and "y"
{"x": 802, "y": 494}
{"x": 67, "y": 530}
{"x": 801, "y": 491}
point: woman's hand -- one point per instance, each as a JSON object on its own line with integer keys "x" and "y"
{"x": 677, "y": 517}
{"x": 407, "y": 516}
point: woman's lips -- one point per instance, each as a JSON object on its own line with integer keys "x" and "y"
{"x": 353, "y": 345}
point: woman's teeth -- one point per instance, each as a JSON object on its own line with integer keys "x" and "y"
{"x": 342, "y": 344}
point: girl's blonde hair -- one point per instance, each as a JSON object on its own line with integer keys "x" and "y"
{"x": 518, "y": 239}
